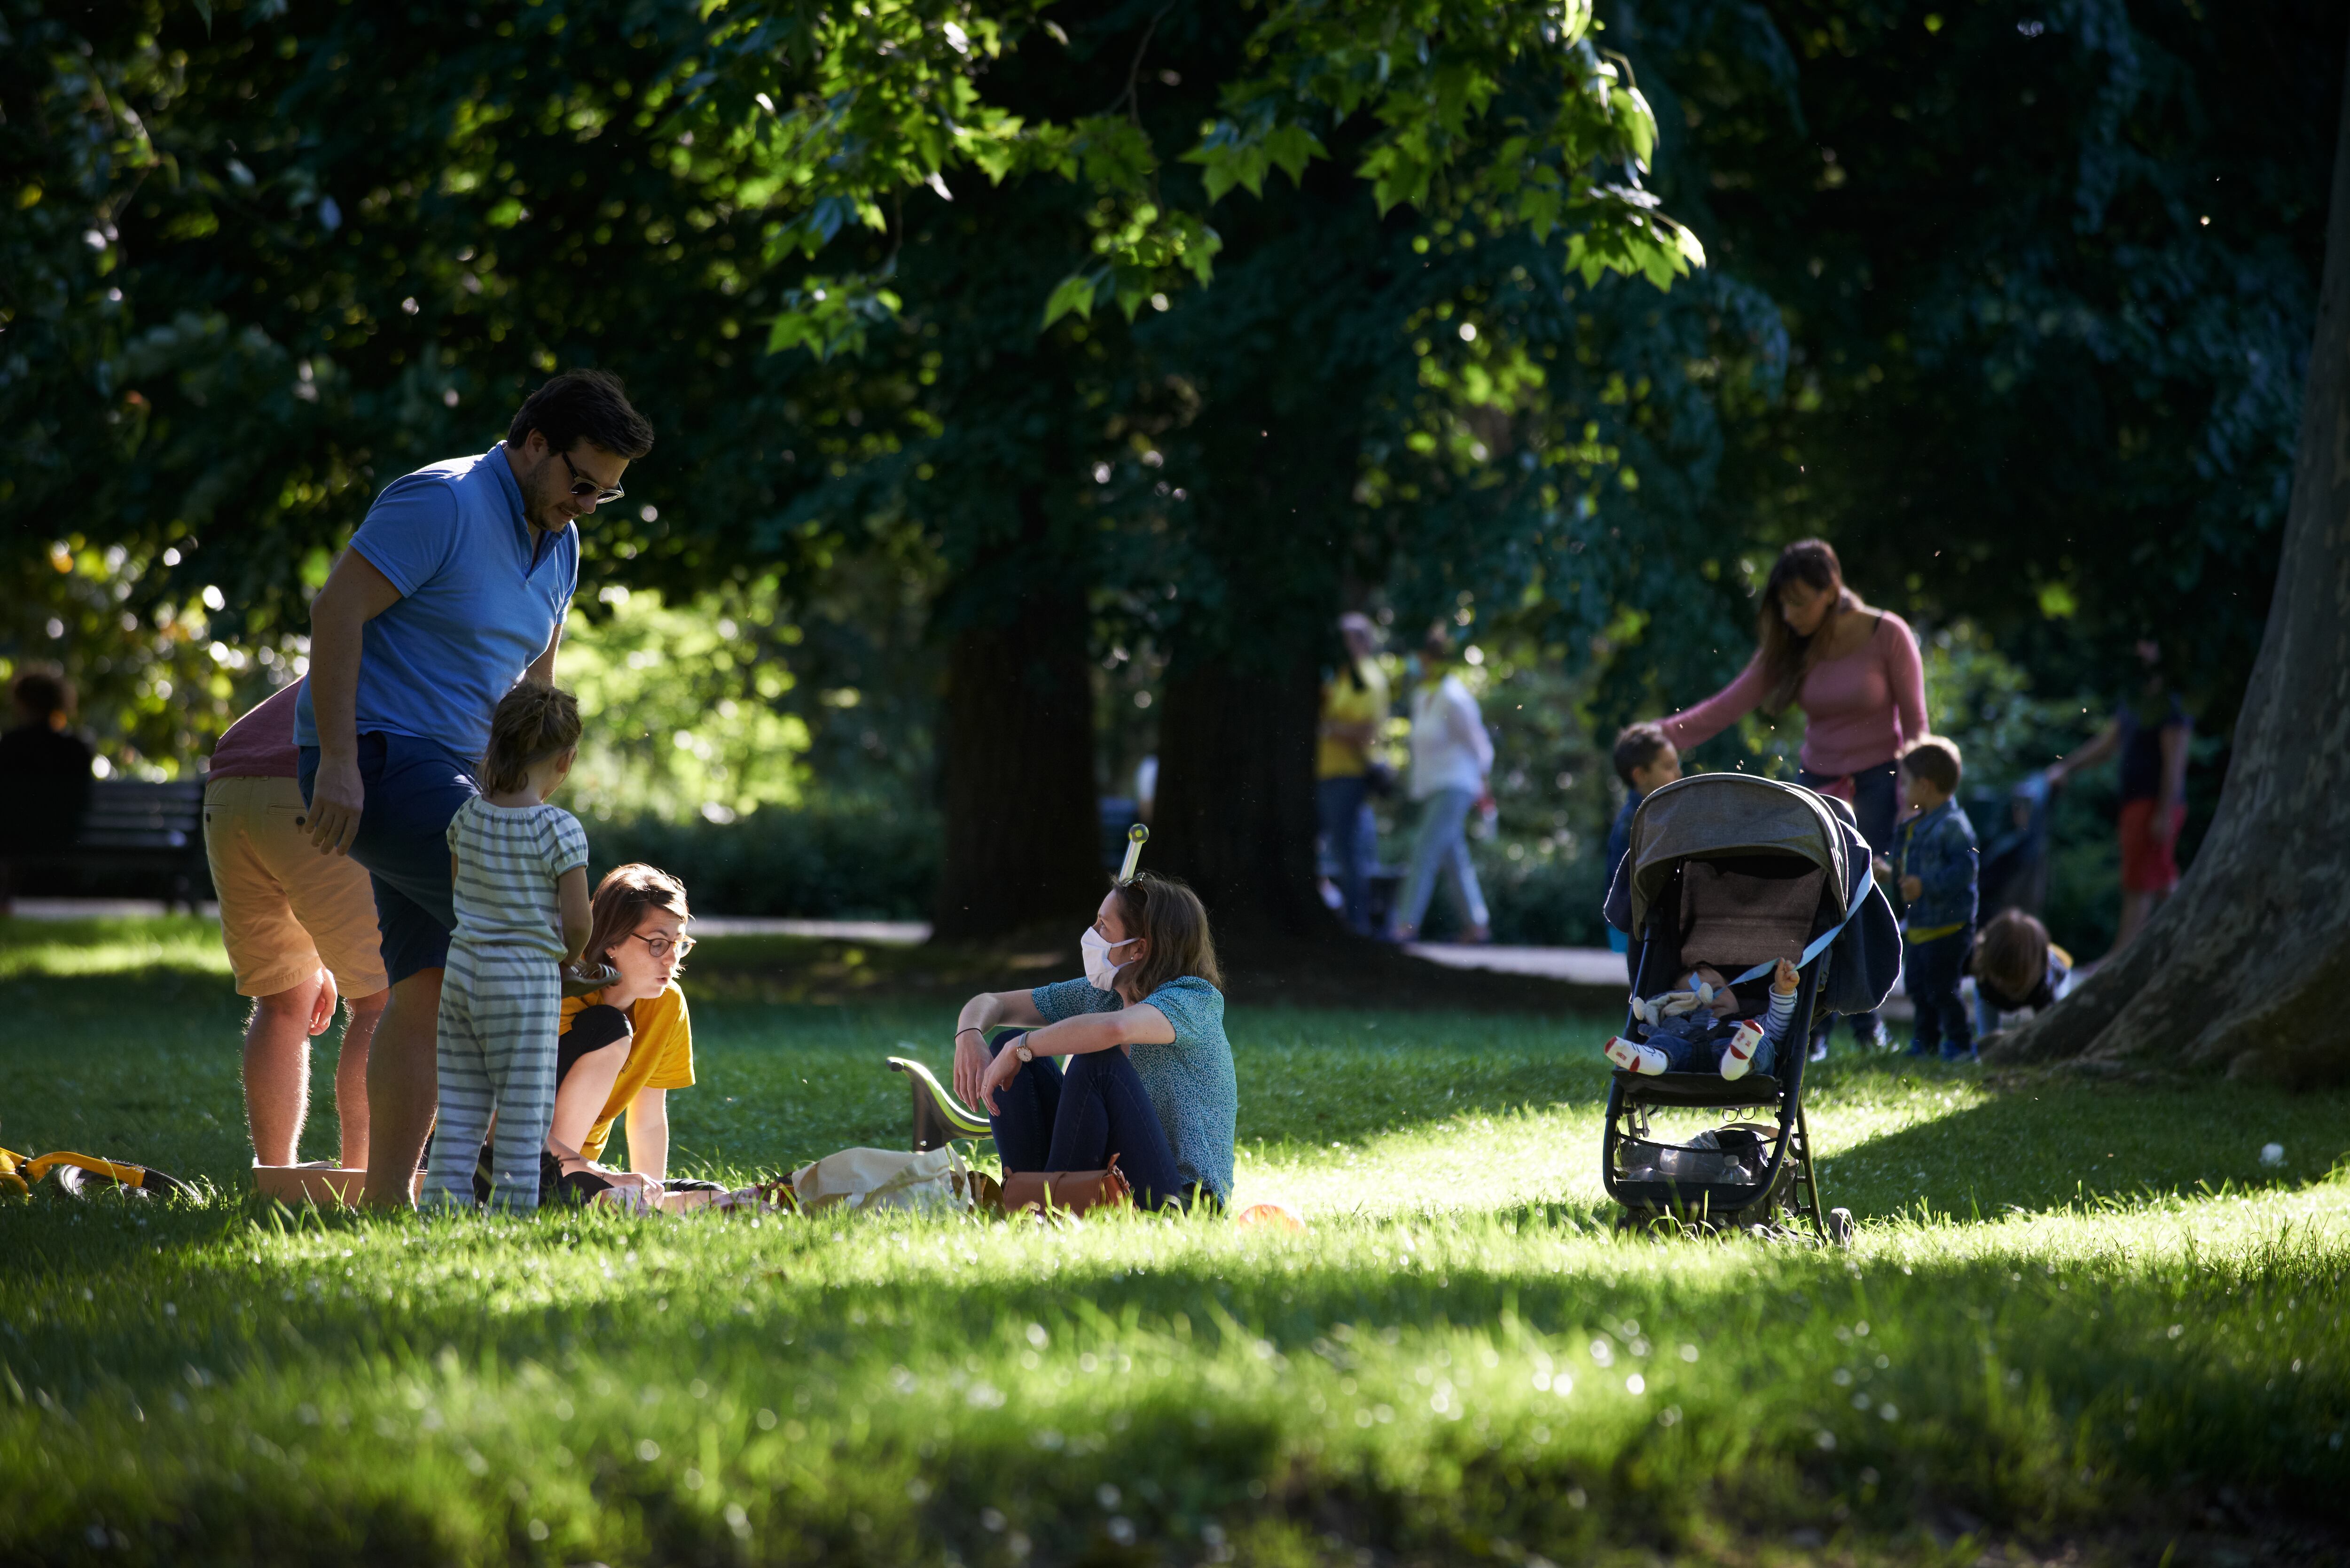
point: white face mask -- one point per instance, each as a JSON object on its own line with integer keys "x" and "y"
{"x": 1100, "y": 971}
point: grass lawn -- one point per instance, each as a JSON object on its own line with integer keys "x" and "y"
{"x": 2079, "y": 1318}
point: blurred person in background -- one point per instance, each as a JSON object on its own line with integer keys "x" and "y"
{"x": 300, "y": 929}
{"x": 1452, "y": 758}
{"x": 45, "y": 773}
{"x": 2151, "y": 730}
{"x": 1354, "y": 705}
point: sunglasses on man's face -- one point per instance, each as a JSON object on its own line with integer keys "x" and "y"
{"x": 583, "y": 486}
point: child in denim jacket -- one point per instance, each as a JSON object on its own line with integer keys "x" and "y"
{"x": 1934, "y": 868}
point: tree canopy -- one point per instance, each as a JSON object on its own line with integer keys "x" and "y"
{"x": 1181, "y": 325}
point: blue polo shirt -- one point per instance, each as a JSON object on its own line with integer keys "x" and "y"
{"x": 477, "y": 603}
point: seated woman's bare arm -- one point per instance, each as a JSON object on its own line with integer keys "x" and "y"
{"x": 1140, "y": 1024}
{"x": 987, "y": 1011}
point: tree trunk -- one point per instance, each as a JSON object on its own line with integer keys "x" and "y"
{"x": 1016, "y": 753}
{"x": 1236, "y": 804}
{"x": 2244, "y": 967}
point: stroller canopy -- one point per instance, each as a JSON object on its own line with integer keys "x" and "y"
{"x": 1718, "y": 816}
{"x": 1712, "y": 815}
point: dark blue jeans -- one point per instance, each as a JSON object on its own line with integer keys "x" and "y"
{"x": 1074, "y": 1120}
{"x": 1930, "y": 971}
{"x": 1349, "y": 841}
{"x": 413, "y": 789}
{"x": 1875, "y": 807}
{"x": 1693, "y": 1043}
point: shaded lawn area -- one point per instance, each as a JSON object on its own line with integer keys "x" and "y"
{"x": 2077, "y": 1316}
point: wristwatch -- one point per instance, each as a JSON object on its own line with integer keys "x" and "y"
{"x": 1022, "y": 1051}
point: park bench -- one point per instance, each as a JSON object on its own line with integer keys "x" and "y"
{"x": 139, "y": 840}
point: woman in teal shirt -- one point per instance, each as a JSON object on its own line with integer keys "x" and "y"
{"x": 1150, "y": 1074}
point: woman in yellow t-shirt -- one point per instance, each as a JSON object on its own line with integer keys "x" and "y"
{"x": 1354, "y": 705}
{"x": 620, "y": 1050}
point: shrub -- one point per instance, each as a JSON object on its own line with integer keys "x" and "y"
{"x": 851, "y": 861}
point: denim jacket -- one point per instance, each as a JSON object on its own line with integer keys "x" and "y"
{"x": 1938, "y": 848}
{"x": 1620, "y": 834}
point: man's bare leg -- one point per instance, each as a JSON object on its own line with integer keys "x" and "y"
{"x": 351, "y": 1076}
{"x": 277, "y": 1071}
{"x": 403, "y": 1082}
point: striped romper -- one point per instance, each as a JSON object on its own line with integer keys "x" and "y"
{"x": 501, "y": 998}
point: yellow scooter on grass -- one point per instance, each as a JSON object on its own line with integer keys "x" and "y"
{"x": 84, "y": 1175}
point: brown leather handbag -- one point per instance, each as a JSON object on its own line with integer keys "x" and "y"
{"x": 1068, "y": 1191}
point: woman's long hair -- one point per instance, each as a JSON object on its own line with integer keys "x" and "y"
{"x": 1171, "y": 917}
{"x": 1786, "y": 658}
{"x": 620, "y": 902}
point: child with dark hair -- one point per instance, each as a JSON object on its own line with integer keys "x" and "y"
{"x": 1934, "y": 868}
{"x": 1646, "y": 761}
{"x": 520, "y": 869}
{"x": 2015, "y": 966}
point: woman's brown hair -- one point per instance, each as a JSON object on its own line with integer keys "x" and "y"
{"x": 533, "y": 722}
{"x": 1171, "y": 917}
{"x": 1786, "y": 658}
{"x": 2012, "y": 956}
{"x": 620, "y": 902}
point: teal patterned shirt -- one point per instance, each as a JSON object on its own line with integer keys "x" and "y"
{"x": 1190, "y": 1081}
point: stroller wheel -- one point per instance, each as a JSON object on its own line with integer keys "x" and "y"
{"x": 1840, "y": 1227}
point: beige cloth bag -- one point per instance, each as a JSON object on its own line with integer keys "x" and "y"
{"x": 864, "y": 1179}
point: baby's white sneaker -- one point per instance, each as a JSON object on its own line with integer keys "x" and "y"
{"x": 1634, "y": 1057}
{"x": 1738, "y": 1055}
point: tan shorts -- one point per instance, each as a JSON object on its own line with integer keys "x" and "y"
{"x": 285, "y": 908}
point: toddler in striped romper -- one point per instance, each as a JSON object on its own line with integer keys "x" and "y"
{"x": 521, "y": 872}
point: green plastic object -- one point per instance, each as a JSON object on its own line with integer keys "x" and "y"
{"x": 938, "y": 1117}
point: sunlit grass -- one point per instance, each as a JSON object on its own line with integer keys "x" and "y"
{"x": 2064, "y": 1300}
{"x": 185, "y": 944}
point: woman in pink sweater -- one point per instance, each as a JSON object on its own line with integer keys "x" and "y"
{"x": 1854, "y": 672}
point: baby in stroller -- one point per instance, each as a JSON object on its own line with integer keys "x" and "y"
{"x": 1698, "y": 1027}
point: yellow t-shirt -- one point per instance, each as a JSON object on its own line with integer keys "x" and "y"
{"x": 1344, "y": 703}
{"x": 661, "y": 1055}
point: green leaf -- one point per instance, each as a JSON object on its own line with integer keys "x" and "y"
{"x": 1075, "y": 292}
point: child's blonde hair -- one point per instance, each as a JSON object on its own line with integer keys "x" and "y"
{"x": 533, "y": 722}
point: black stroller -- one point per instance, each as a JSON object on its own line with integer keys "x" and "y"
{"x": 1738, "y": 872}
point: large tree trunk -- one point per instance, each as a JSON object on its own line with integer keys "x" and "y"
{"x": 1236, "y": 805}
{"x": 2245, "y": 966}
{"x": 1016, "y": 752}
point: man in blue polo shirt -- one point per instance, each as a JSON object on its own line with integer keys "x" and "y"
{"x": 453, "y": 590}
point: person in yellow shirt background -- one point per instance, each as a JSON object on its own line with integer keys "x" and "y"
{"x": 1354, "y": 704}
{"x": 620, "y": 1050}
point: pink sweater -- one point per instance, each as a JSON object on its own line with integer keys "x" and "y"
{"x": 1862, "y": 709}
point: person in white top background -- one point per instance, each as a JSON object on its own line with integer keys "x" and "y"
{"x": 1452, "y": 758}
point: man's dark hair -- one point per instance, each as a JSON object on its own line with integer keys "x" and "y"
{"x": 1637, "y": 747}
{"x": 1935, "y": 759}
{"x": 583, "y": 404}
{"x": 42, "y": 689}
